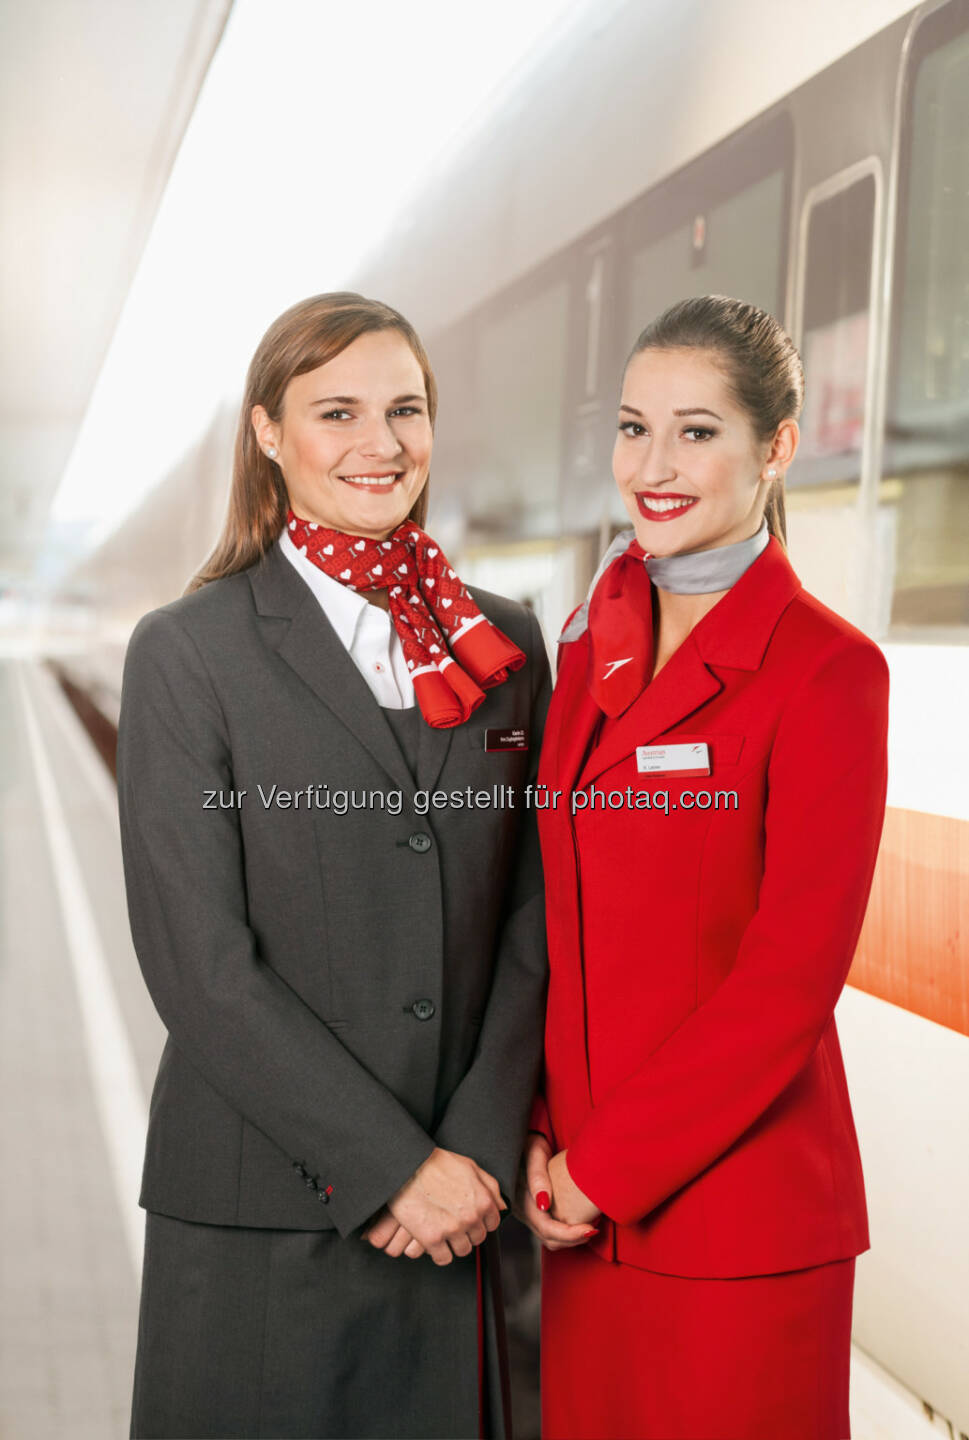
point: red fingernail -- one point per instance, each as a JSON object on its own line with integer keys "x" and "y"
{"x": 589, "y": 1234}
{"x": 543, "y": 1200}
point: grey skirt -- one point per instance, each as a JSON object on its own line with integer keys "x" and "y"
{"x": 299, "y": 1333}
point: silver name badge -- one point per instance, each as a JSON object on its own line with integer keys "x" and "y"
{"x": 673, "y": 760}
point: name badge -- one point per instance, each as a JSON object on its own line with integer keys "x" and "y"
{"x": 506, "y": 739}
{"x": 673, "y": 760}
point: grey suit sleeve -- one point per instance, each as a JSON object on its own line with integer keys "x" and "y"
{"x": 487, "y": 1115}
{"x": 243, "y": 1028}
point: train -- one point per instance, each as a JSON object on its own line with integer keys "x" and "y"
{"x": 650, "y": 154}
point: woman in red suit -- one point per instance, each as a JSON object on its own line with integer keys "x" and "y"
{"x": 715, "y": 764}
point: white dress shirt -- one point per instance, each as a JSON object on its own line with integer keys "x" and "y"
{"x": 365, "y": 631}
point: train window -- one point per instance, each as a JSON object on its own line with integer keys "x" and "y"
{"x": 718, "y": 226}
{"x": 925, "y": 485}
{"x": 727, "y": 247}
{"x": 834, "y": 336}
{"x": 520, "y": 358}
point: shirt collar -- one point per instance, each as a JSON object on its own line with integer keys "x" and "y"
{"x": 345, "y": 609}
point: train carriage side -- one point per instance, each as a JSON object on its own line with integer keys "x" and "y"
{"x": 843, "y": 208}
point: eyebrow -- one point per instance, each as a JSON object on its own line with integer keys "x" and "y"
{"x": 354, "y": 400}
{"x": 694, "y": 410}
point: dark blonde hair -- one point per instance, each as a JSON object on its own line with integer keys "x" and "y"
{"x": 759, "y": 360}
{"x": 304, "y": 337}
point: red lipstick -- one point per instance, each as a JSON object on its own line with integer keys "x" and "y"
{"x": 661, "y": 505}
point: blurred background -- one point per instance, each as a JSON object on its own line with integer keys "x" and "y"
{"x": 529, "y": 183}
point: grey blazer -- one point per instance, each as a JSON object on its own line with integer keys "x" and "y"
{"x": 342, "y": 991}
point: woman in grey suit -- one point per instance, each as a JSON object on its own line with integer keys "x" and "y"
{"x": 335, "y": 896}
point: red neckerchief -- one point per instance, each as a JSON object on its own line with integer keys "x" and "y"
{"x": 453, "y": 651}
{"x": 620, "y": 633}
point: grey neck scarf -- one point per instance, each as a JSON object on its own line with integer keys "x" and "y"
{"x": 702, "y": 572}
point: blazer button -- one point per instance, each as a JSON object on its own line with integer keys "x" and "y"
{"x": 420, "y": 842}
{"x": 423, "y": 1009}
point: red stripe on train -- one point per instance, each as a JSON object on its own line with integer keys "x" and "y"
{"x": 913, "y": 947}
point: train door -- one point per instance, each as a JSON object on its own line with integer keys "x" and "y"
{"x": 831, "y": 486}
{"x": 925, "y": 491}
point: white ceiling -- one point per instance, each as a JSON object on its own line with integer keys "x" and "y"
{"x": 283, "y": 183}
{"x": 95, "y": 96}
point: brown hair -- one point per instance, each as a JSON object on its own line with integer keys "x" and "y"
{"x": 760, "y": 362}
{"x": 304, "y": 337}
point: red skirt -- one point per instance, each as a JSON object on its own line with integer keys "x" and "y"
{"x": 629, "y": 1354}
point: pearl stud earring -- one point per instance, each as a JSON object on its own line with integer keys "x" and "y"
{"x": 772, "y": 474}
{"x": 272, "y": 452}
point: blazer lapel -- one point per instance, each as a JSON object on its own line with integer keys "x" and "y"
{"x": 432, "y": 751}
{"x": 734, "y": 635}
{"x": 572, "y": 719}
{"x": 309, "y": 644}
{"x": 681, "y": 687}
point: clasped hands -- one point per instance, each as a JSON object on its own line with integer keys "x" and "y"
{"x": 450, "y": 1204}
{"x": 446, "y": 1208}
{"x": 549, "y": 1201}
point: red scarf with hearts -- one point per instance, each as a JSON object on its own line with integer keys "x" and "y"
{"x": 453, "y": 651}
{"x": 621, "y": 633}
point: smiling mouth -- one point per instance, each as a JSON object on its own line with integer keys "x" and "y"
{"x": 663, "y": 507}
{"x": 378, "y": 484}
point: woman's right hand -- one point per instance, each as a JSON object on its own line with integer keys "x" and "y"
{"x": 448, "y": 1205}
{"x": 535, "y": 1186}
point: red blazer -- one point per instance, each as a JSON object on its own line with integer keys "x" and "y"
{"x": 693, "y": 1071}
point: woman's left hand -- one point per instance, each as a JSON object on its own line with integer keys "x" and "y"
{"x": 387, "y": 1235}
{"x": 568, "y": 1201}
